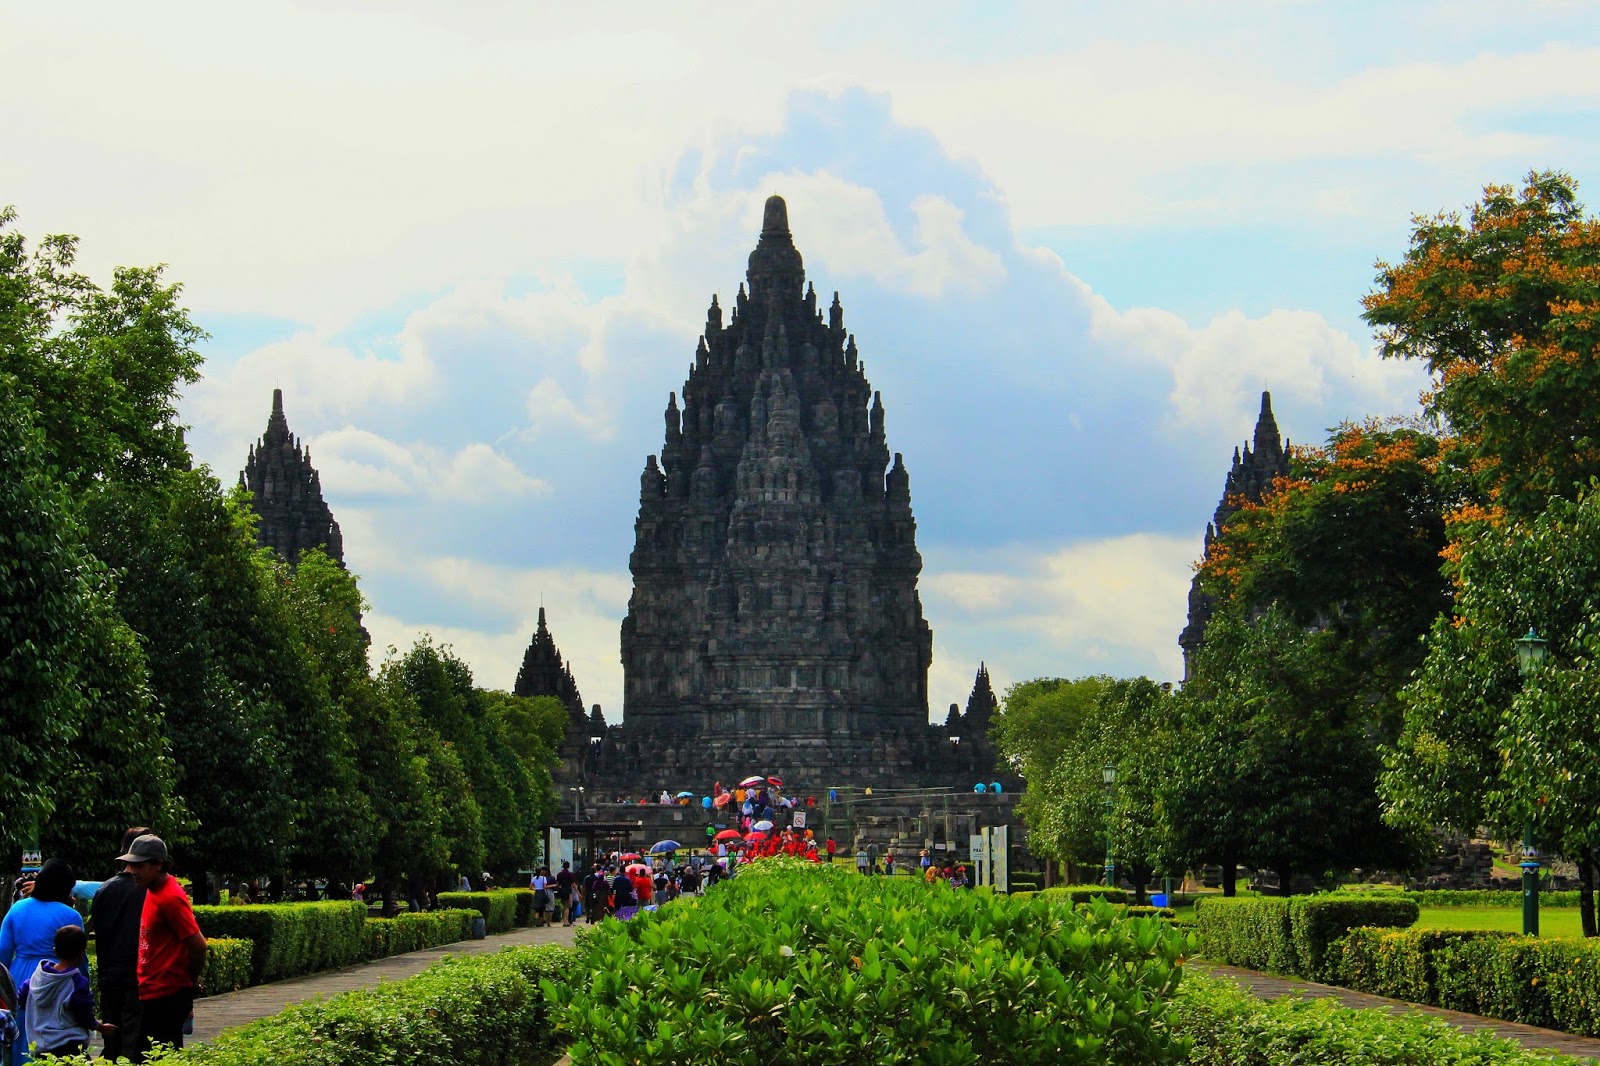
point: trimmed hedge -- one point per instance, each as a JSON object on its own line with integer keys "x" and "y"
{"x": 1230, "y": 1027}
{"x": 292, "y": 938}
{"x": 498, "y": 906}
{"x": 227, "y": 966}
{"x": 811, "y": 966}
{"x": 413, "y": 931}
{"x": 524, "y": 898}
{"x": 1294, "y": 935}
{"x": 1079, "y": 893}
{"x": 479, "y": 1010}
{"x": 1487, "y": 897}
{"x": 1549, "y": 983}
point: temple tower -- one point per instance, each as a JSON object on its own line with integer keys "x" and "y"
{"x": 544, "y": 674}
{"x": 775, "y": 623}
{"x": 287, "y": 493}
{"x": 1264, "y": 459}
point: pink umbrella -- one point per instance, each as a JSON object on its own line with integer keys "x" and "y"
{"x": 752, "y": 781}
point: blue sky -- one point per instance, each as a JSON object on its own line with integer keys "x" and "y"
{"x": 475, "y": 246}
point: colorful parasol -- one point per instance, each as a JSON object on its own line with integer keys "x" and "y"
{"x": 775, "y": 782}
{"x": 752, "y": 781}
{"x": 728, "y": 834}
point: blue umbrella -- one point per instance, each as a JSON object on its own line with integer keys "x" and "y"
{"x": 684, "y": 795}
{"x": 661, "y": 847}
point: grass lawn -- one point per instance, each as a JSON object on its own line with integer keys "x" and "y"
{"x": 1553, "y": 921}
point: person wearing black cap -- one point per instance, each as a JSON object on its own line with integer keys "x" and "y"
{"x": 115, "y": 915}
{"x": 172, "y": 950}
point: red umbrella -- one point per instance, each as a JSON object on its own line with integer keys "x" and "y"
{"x": 722, "y": 800}
{"x": 627, "y": 856}
{"x": 775, "y": 782}
{"x": 638, "y": 868}
{"x": 728, "y": 834}
{"x": 755, "y": 835}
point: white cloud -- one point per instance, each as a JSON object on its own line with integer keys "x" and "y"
{"x": 1114, "y": 604}
{"x": 356, "y": 462}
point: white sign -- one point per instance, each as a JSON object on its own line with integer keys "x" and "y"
{"x": 799, "y": 819}
{"x": 979, "y": 853}
{"x": 1000, "y": 857}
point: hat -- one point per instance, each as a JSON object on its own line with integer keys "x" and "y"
{"x": 148, "y": 848}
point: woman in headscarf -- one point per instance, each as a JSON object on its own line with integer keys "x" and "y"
{"x": 28, "y": 932}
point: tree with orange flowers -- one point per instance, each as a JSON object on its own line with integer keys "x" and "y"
{"x": 1322, "y": 591}
{"x": 1503, "y": 307}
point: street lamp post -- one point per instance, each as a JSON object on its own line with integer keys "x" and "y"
{"x": 1109, "y": 775}
{"x": 1531, "y": 652}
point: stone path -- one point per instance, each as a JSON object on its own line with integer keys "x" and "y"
{"x": 214, "y": 1014}
{"x": 1266, "y": 986}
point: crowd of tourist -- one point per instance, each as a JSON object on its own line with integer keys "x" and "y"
{"x": 149, "y": 955}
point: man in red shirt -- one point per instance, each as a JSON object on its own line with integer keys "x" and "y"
{"x": 172, "y": 950}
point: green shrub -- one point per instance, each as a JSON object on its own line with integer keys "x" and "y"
{"x": 1485, "y": 897}
{"x": 1230, "y": 1027}
{"x": 227, "y": 966}
{"x": 1317, "y": 922}
{"x": 800, "y": 964}
{"x": 1252, "y": 932}
{"x": 524, "y": 898}
{"x": 479, "y": 1010}
{"x": 1406, "y": 964}
{"x": 413, "y": 931}
{"x": 1294, "y": 935}
{"x": 1139, "y": 911}
{"x": 292, "y": 938}
{"x": 498, "y": 907}
{"x": 1084, "y": 893}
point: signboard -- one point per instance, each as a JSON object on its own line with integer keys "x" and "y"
{"x": 977, "y": 847}
{"x": 1000, "y": 857}
{"x": 32, "y": 860}
{"x": 799, "y": 819}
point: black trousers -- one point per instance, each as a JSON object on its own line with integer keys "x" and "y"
{"x": 119, "y": 1005}
{"x": 163, "y": 1021}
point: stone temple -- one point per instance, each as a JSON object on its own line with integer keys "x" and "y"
{"x": 775, "y": 624}
{"x": 1264, "y": 459}
{"x": 287, "y": 493}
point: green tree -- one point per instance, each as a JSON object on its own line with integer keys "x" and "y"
{"x": 1503, "y": 309}
{"x": 1322, "y": 592}
{"x": 80, "y": 751}
{"x": 1483, "y": 747}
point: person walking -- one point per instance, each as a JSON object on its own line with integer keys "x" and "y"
{"x": 28, "y": 934}
{"x": 172, "y": 950}
{"x": 567, "y": 893}
{"x": 115, "y": 915}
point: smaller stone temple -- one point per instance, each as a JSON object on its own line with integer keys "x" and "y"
{"x": 1263, "y": 459}
{"x": 287, "y": 493}
{"x": 544, "y": 674}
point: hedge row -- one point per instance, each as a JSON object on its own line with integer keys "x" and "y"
{"x": 227, "y": 966}
{"x": 803, "y": 965}
{"x": 1078, "y": 893}
{"x": 1294, "y": 935}
{"x": 1486, "y": 897}
{"x": 415, "y": 930}
{"x": 479, "y": 1010}
{"x": 1229, "y": 1027}
{"x": 292, "y": 939}
{"x": 499, "y": 906}
{"x": 1550, "y": 983}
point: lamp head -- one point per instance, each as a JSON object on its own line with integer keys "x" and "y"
{"x": 1531, "y": 652}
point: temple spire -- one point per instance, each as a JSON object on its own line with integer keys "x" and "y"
{"x": 286, "y": 492}
{"x": 775, "y": 267}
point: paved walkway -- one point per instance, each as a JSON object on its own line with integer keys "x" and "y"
{"x": 1266, "y": 986}
{"x": 214, "y": 1014}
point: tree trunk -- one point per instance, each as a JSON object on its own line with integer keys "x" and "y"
{"x": 1284, "y": 876}
{"x": 1140, "y": 877}
{"x": 1586, "y": 893}
{"x": 1230, "y": 873}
